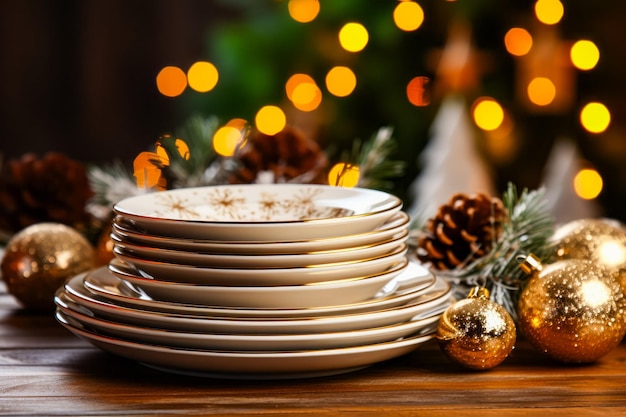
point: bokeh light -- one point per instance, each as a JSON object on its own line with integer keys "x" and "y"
{"x": 340, "y": 81}
{"x": 307, "y": 96}
{"x": 171, "y": 81}
{"x": 294, "y": 81}
{"x": 182, "y": 148}
{"x": 541, "y": 91}
{"x": 518, "y": 41}
{"x": 549, "y": 12}
{"x": 408, "y": 16}
{"x": 584, "y": 55}
{"x": 595, "y": 117}
{"x": 588, "y": 183}
{"x": 270, "y": 120}
{"x": 162, "y": 154}
{"x": 416, "y": 91}
{"x": 487, "y": 113}
{"x": 227, "y": 139}
{"x": 147, "y": 173}
{"x": 344, "y": 175}
{"x": 353, "y": 37}
{"x": 303, "y": 11}
{"x": 202, "y": 76}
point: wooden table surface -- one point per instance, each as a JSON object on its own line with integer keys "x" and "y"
{"x": 45, "y": 371}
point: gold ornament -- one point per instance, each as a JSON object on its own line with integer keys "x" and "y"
{"x": 572, "y": 310}
{"x": 40, "y": 258}
{"x": 476, "y": 332}
{"x": 602, "y": 241}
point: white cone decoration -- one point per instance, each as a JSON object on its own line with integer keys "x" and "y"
{"x": 562, "y": 166}
{"x": 451, "y": 163}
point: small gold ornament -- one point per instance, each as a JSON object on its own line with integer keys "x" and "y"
{"x": 40, "y": 258}
{"x": 476, "y": 332}
{"x": 602, "y": 241}
{"x": 572, "y": 310}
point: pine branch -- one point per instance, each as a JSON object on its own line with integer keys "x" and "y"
{"x": 374, "y": 160}
{"x": 111, "y": 184}
{"x": 527, "y": 230}
{"x": 188, "y": 170}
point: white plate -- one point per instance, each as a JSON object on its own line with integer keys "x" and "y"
{"x": 205, "y": 275}
{"x": 75, "y": 296}
{"x": 253, "y": 365}
{"x": 391, "y": 229}
{"x": 218, "y": 260}
{"x": 245, "y": 342}
{"x": 327, "y": 293}
{"x": 413, "y": 281}
{"x": 255, "y": 212}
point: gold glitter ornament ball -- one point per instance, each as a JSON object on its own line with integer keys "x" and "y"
{"x": 40, "y": 258}
{"x": 476, "y": 333}
{"x": 573, "y": 310}
{"x": 602, "y": 241}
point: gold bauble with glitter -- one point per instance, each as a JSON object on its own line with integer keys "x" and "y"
{"x": 40, "y": 258}
{"x": 573, "y": 310}
{"x": 476, "y": 333}
{"x": 602, "y": 241}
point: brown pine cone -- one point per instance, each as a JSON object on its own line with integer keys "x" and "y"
{"x": 288, "y": 155}
{"x": 463, "y": 230}
{"x": 53, "y": 188}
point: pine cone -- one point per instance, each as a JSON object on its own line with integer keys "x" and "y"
{"x": 53, "y": 188}
{"x": 463, "y": 230}
{"x": 288, "y": 155}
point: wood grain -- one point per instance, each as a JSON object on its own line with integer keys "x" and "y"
{"x": 45, "y": 370}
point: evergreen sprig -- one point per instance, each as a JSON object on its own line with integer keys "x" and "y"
{"x": 526, "y": 230}
{"x": 189, "y": 170}
{"x": 376, "y": 167}
{"x": 112, "y": 183}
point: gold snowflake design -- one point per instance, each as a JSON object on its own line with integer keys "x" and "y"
{"x": 174, "y": 204}
{"x": 233, "y": 204}
{"x": 269, "y": 206}
{"x": 227, "y": 203}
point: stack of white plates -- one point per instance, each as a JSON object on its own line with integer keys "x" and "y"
{"x": 257, "y": 281}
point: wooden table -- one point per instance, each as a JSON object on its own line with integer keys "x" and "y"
{"x": 45, "y": 371}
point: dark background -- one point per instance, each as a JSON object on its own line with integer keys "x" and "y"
{"x": 78, "y": 77}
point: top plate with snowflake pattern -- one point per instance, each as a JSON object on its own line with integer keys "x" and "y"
{"x": 255, "y": 212}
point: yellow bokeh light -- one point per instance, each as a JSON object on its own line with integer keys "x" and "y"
{"x": 202, "y": 76}
{"x": 303, "y": 11}
{"x": 340, "y": 81}
{"x": 518, "y": 41}
{"x": 353, "y": 37}
{"x": 182, "y": 148}
{"x": 541, "y": 91}
{"x": 270, "y": 120}
{"x": 304, "y": 93}
{"x": 408, "y": 16}
{"x": 416, "y": 91}
{"x": 344, "y": 175}
{"x": 240, "y": 124}
{"x": 294, "y": 81}
{"x": 307, "y": 97}
{"x": 588, "y": 183}
{"x": 549, "y": 12}
{"x": 146, "y": 173}
{"x": 584, "y": 55}
{"x": 171, "y": 81}
{"x": 227, "y": 139}
{"x": 162, "y": 154}
{"x": 488, "y": 114}
{"x": 595, "y": 117}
